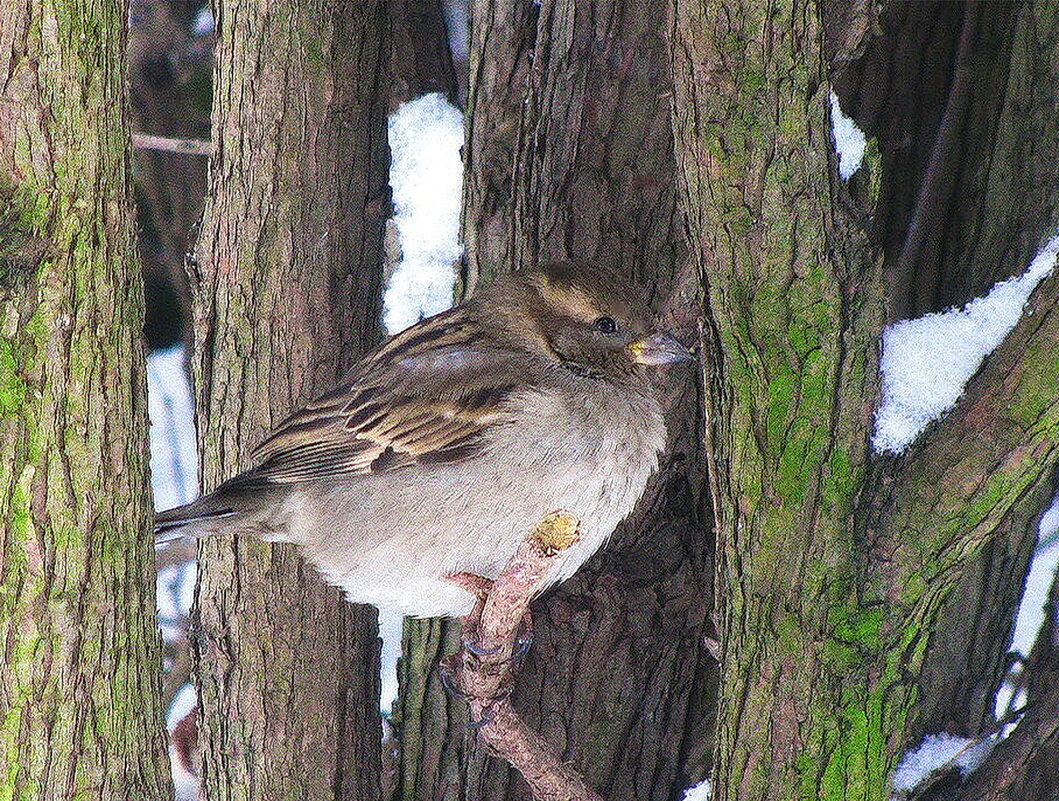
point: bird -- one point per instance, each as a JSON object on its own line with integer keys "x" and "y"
{"x": 436, "y": 454}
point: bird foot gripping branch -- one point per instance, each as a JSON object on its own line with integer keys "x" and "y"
{"x": 495, "y": 633}
{"x": 484, "y": 672}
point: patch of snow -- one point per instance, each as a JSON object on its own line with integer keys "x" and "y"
{"x": 1029, "y": 619}
{"x": 938, "y": 752}
{"x": 174, "y": 472}
{"x": 184, "y": 702}
{"x": 426, "y": 174}
{"x": 926, "y": 362}
{"x": 1034, "y": 602}
{"x": 849, "y": 140}
{"x": 174, "y": 459}
{"x": 391, "y": 628}
{"x": 700, "y": 792}
{"x": 175, "y": 593}
{"x": 203, "y": 23}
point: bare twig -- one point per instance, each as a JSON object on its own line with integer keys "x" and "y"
{"x": 484, "y": 672}
{"x": 192, "y": 147}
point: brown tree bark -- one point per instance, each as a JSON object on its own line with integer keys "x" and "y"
{"x": 957, "y": 126}
{"x": 80, "y": 694}
{"x": 569, "y": 155}
{"x": 422, "y": 60}
{"x": 833, "y": 563}
{"x": 287, "y": 295}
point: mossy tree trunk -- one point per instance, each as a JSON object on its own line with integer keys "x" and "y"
{"x": 288, "y": 293}
{"x": 569, "y": 155}
{"x": 80, "y": 694}
{"x": 961, "y": 98}
{"x": 833, "y": 564}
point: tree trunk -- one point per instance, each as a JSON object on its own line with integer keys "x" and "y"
{"x": 833, "y": 563}
{"x": 80, "y": 695}
{"x": 972, "y": 118}
{"x": 287, "y": 295}
{"x": 569, "y": 156}
{"x": 422, "y": 61}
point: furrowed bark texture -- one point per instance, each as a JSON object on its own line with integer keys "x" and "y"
{"x": 569, "y": 155}
{"x": 288, "y": 293}
{"x": 502, "y": 37}
{"x": 794, "y": 308}
{"x": 956, "y": 129}
{"x": 961, "y": 98}
{"x": 80, "y": 694}
{"x": 830, "y": 586}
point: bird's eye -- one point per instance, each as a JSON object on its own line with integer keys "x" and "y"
{"x": 606, "y": 325}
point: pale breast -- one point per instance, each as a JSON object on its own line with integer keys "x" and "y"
{"x": 590, "y": 455}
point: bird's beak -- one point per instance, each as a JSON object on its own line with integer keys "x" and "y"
{"x": 658, "y": 348}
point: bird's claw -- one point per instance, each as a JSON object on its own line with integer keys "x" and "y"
{"x": 487, "y": 718}
{"x": 448, "y": 671}
{"x": 523, "y": 642}
{"x": 479, "y": 651}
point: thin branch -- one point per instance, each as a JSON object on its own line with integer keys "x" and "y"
{"x": 939, "y": 166}
{"x": 484, "y": 672}
{"x": 192, "y": 147}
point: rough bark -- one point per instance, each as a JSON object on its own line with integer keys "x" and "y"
{"x": 80, "y": 695}
{"x": 287, "y": 295}
{"x": 502, "y": 37}
{"x": 795, "y": 311}
{"x": 830, "y": 586}
{"x": 569, "y": 155}
{"x": 971, "y": 120}
{"x": 422, "y": 60}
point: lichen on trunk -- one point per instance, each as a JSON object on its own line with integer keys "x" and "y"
{"x": 80, "y": 698}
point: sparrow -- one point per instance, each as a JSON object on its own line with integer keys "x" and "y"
{"x": 438, "y": 453}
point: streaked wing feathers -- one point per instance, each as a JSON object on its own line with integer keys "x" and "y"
{"x": 425, "y": 408}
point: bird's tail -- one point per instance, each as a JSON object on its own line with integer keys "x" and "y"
{"x": 196, "y": 519}
{"x": 243, "y": 504}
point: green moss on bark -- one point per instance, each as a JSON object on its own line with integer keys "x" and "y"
{"x": 76, "y": 574}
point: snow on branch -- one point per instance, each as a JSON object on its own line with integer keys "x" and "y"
{"x": 938, "y": 753}
{"x": 927, "y": 362}
{"x": 850, "y": 141}
{"x": 702, "y": 791}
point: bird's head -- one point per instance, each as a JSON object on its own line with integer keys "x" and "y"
{"x": 587, "y": 320}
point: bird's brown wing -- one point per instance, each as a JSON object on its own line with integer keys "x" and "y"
{"x": 420, "y": 406}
